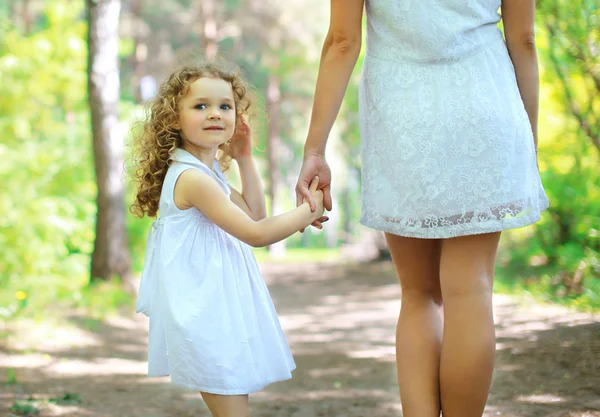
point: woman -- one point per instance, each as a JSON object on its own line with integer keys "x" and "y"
{"x": 448, "y": 119}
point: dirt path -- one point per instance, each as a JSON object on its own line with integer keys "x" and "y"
{"x": 340, "y": 321}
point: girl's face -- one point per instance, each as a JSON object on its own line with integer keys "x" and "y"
{"x": 206, "y": 114}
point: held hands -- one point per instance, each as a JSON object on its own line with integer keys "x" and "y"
{"x": 317, "y": 196}
{"x": 314, "y": 165}
{"x": 241, "y": 141}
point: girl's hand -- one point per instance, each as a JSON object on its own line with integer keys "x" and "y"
{"x": 241, "y": 141}
{"x": 317, "y": 196}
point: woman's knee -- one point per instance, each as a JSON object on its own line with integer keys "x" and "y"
{"x": 421, "y": 296}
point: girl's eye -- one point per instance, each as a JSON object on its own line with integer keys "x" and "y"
{"x": 200, "y": 106}
{"x": 225, "y": 107}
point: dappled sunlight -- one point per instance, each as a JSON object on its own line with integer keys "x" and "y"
{"x": 387, "y": 353}
{"x": 508, "y": 367}
{"x": 340, "y": 321}
{"x": 26, "y": 360}
{"x": 77, "y": 75}
{"x": 541, "y": 399}
{"x": 99, "y": 366}
{"x": 324, "y": 394}
{"x": 340, "y": 370}
{"x": 49, "y": 336}
{"x": 360, "y": 323}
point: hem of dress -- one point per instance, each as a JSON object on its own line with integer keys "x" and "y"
{"x": 447, "y": 233}
{"x": 236, "y": 391}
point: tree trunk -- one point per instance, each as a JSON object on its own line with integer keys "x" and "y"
{"x": 141, "y": 50}
{"x": 273, "y": 153}
{"x": 346, "y": 213}
{"x": 111, "y": 253}
{"x": 208, "y": 32}
{"x": 27, "y": 19}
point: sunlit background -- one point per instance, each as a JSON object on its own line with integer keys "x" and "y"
{"x": 53, "y": 258}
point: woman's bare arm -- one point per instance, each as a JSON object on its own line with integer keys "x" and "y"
{"x": 518, "y": 18}
{"x": 338, "y": 58}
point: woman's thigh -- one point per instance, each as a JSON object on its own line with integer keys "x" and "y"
{"x": 417, "y": 264}
{"x": 467, "y": 264}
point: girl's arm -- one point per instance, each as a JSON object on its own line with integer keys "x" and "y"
{"x": 197, "y": 189}
{"x": 518, "y": 18}
{"x": 252, "y": 198}
{"x": 338, "y": 58}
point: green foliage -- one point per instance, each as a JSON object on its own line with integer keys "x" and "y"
{"x": 28, "y": 407}
{"x": 66, "y": 399}
{"x": 31, "y": 407}
{"x": 569, "y": 235}
{"x": 11, "y": 377}
{"x": 561, "y": 261}
{"x": 101, "y": 298}
{"x": 47, "y": 209}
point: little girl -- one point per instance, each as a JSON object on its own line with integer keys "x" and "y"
{"x": 213, "y": 326}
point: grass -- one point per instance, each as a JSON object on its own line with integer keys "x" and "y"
{"x": 96, "y": 300}
{"x": 66, "y": 399}
{"x": 28, "y": 407}
{"x": 31, "y": 407}
{"x": 522, "y": 270}
{"x": 11, "y": 377}
{"x": 516, "y": 274}
{"x": 542, "y": 287}
{"x": 99, "y": 299}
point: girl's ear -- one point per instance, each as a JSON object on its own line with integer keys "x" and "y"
{"x": 176, "y": 125}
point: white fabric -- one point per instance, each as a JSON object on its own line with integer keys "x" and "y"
{"x": 446, "y": 144}
{"x": 213, "y": 326}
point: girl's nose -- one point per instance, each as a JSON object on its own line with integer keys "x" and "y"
{"x": 214, "y": 114}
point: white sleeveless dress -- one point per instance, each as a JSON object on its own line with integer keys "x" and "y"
{"x": 213, "y": 326}
{"x": 446, "y": 144}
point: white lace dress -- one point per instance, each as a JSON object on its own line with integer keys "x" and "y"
{"x": 446, "y": 144}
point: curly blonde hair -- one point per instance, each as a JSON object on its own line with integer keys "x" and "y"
{"x": 158, "y": 138}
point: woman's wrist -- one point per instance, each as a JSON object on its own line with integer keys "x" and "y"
{"x": 313, "y": 150}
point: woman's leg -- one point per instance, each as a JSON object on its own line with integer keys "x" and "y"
{"x": 419, "y": 331}
{"x": 227, "y": 405}
{"x": 468, "y": 348}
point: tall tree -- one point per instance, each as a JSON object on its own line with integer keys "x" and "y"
{"x": 111, "y": 254}
{"x": 140, "y": 49}
{"x": 573, "y": 30}
{"x": 27, "y": 18}
{"x": 569, "y": 37}
{"x": 208, "y": 30}
{"x": 274, "y": 152}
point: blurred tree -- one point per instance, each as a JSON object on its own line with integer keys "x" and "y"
{"x": 27, "y": 18}
{"x": 208, "y": 30}
{"x": 47, "y": 207}
{"x": 111, "y": 255}
{"x": 140, "y": 49}
{"x": 569, "y": 236}
{"x": 573, "y": 52}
